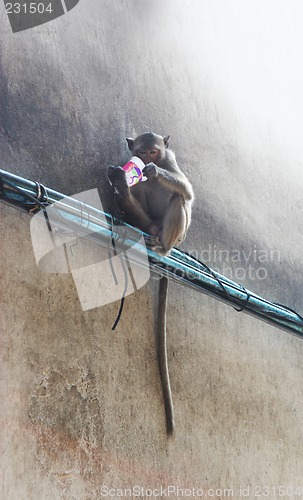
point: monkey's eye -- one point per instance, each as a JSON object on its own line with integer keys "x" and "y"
{"x": 142, "y": 153}
{"x": 153, "y": 152}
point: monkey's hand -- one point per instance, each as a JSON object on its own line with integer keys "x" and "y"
{"x": 117, "y": 178}
{"x": 150, "y": 170}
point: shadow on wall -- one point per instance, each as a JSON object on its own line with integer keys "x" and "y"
{"x": 42, "y": 121}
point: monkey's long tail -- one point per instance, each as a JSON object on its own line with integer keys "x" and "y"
{"x": 162, "y": 356}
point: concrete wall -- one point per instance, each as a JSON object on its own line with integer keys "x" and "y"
{"x": 81, "y": 406}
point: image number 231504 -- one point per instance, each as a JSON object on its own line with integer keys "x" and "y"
{"x": 32, "y": 8}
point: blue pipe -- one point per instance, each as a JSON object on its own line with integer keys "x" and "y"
{"x": 178, "y": 266}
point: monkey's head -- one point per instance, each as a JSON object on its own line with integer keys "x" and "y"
{"x": 149, "y": 147}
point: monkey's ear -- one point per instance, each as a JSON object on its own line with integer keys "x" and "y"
{"x": 130, "y": 143}
{"x": 166, "y": 141}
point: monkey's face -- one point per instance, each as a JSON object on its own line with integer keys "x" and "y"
{"x": 150, "y": 148}
{"x": 149, "y": 155}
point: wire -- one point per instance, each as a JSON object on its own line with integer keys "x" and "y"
{"x": 125, "y": 271}
{"x": 219, "y": 281}
{"x": 27, "y": 195}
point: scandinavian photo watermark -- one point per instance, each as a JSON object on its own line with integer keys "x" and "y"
{"x": 238, "y": 263}
{"x": 66, "y": 238}
{"x": 104, "y": 274}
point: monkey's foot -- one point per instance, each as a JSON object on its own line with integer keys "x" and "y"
{"x": 115, "y": 173}
{"x": 154, "y": 230}
{"x": 155, "y": 244}
{"x": 117, "y": 178}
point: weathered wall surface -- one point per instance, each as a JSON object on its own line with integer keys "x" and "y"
{"x": 81, "y": 406}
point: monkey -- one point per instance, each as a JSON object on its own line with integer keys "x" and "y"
{"x": 160, "y": 207}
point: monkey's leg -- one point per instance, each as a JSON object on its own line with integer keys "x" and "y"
{"x": 135, "y": 213}
{"x": 174, "y": 223}
{"x": 162, "y": 356}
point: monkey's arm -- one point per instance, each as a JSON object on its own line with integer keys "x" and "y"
{"x": 173, "y": 179}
